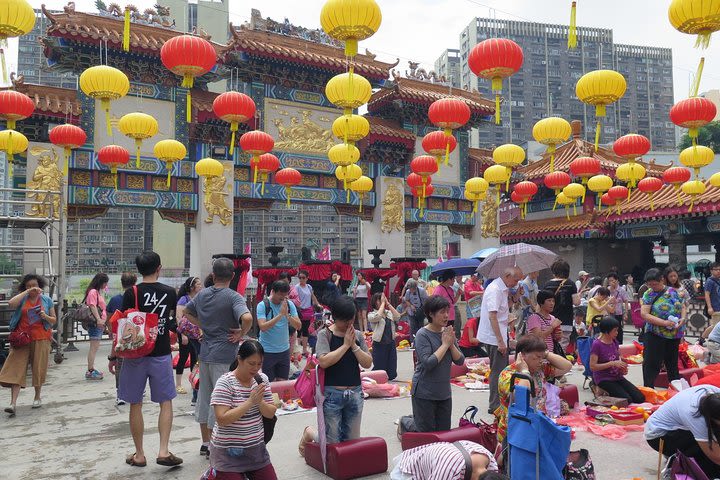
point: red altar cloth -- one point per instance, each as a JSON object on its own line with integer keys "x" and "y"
{"x": 371, "y": 274}
{"x": 266, "y": 276}
{"x": 242, "y": 266}
{"x": 404, "y": 269}
{"x": 323, "y": 271}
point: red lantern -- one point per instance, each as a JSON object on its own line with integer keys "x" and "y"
{"x": 607, "y": 200}
{"x": 425, "y": 166}
{"x": 235, "y": 108}
{"x": 67, "y": 136}
{"x": 650, "y": 186}
{"x": 267, "y": 164}
{"x": 416, "y": 181}
{"x": 15, "y": 106}
{"x": 418, "y": 192}
{"x": 449, "y": 114}
{"x": 496, "y": 58}
{"x": 526, "y": 189}
{"x": 113, "y": 156}
{"x": 618, "y": 192}
{"x": 288, "y": 177}
{"x": 585, "y": 167}
{"x": 189, "y": 56}
{"x": 693, "y": 113}
{"x": 437, "y": 143}
{"x": 676, "y": 176}
{"x": 631, "y": 146}
{"x": 256, "y": 143}
{"x": 557, "y": 181}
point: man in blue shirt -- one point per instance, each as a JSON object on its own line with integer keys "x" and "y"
{"x": 712, "y": 293}
{"x": 274, "y": 314}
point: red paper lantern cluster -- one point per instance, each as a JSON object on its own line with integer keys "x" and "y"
{"x": 256, "y": 143}
{"x": 68, "y": 137}
{"x": 15, "y": 106}
{"x": 438, "y": 144}
{"x": 522, "y": 194}
{"x": 235, "y": 108}
{"x": 267, "y": 164}
{"x": 449, "y": 114}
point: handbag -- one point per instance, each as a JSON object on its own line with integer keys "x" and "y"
{"x": 268, "y": 423}
{"x": 579, "y": 466}
{"x": 189, "y": 329}
{"x": 194, "y": 377}
{"x": 19, "y": 338}
{"x": 311, "y": 375}
{"x": 82, "y": 315}
{"x": 134, "y": 332}
{"x": 683, "y": 467}
{"x": 488, "y": 431}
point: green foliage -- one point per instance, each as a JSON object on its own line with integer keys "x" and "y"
{"x": 709, "y": 136}
{"x": 8, "y": 267}
{"x": 100, "y": 5}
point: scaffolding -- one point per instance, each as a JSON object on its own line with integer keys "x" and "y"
{"x": 19, "y": 212}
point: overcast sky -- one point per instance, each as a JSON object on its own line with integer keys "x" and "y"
{"x": 420, "y": 30}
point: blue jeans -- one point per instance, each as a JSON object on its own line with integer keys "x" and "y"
{"x": 343, "y": 413}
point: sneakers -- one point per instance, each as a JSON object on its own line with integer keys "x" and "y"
{"x": 10, "y": 409}
{"x": 37, "y": 403}
{"x": 119, "y": 402}
{"x": 193, "y": 403}
{"x": 93, "y": 375}
{"x": 204, "y": 450}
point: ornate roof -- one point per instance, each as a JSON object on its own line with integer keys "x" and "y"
{"x": 295, "y": 49}
{"x": 577, "y": 147}
{"x": 421, "y": 92}
{"x": 482, "y": 157}
{"x": 54, "y": 101}
{"x": 578, "y": 226}
{"x": 390, "y": 130}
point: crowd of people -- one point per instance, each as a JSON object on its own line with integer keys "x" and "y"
{"x": 211, "y": 324}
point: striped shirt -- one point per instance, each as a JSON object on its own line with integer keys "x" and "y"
{"x": 441, "y": 461}
{"x": 248, "y": 430}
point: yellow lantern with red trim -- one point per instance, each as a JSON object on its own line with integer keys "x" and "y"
{"x": 12, "y": 142}
{"x": 138, "y": 126}
{"x": 509, "y": 156}
{"x": 361, "y": 186}
{"x": 693, "y": 189}
{"x": 600, "y": 88}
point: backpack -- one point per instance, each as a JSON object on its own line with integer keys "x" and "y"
{"x": 579, "y": 466}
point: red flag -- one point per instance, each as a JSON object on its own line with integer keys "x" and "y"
{"x": 246, "y": 277}
{"x": 324, "y": 254}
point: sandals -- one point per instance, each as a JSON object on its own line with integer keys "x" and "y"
{"x": 301, "y": 445}
{"x": 130, "y": 460}
{"x": 169, "y": 461}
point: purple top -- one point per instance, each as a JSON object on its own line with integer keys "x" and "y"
{"x": 606, "y": 353}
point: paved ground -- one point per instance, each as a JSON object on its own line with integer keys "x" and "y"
{"x": 79, "y": 433}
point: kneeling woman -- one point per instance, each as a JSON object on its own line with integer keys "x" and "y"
{"x": 240, "y": 399}
{"x": 689, "y": 422}
{"x": 607, "y": 367}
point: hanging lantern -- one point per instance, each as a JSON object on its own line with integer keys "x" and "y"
{"x": 351, "y": 128}
{"x": 16, "y": 18}
{"x": 15, "y": 106}
{"x": 600, "y": 88}
{"x": 361, "y": 186}
{"x": 697, "y": 157}
{"x": 556, "y": 181}
{"x": 437, "y": 143}
{"x": 12, "y": 142}
{"x": 138, "y": 126}
{"x": 618, "y": 193}
{"x": 425, "y": 166}
{"x": 584, "y": 168}
{"x": 525, "y": 190}
{"x": 477, "y": 187}
{"x": 350, "y": 21}
{"x": 695, "y": 17}
{"x": 572, "y": 29}
{"x": 288, "y": 178}
{"x": 344, "y": 155}
{"x": 565, "y": 201}
{"x": 599, "y": 184}
{"x": 234, "y": 108}
{"x": 113, "y": 157}
{"x": 475, "y": 198}
{"x": 509, "y": 156}
{"x": 631, "y": 146}
{"x": 104, "y": 83}
{"x": 693, "y": 113}
{"x": 609, "y": 201}
{"x": 676, "y": 176}
{"x": 574, "y": 191}
{"x": 630, "y": 174}
{"x": 169, "y": 151}
{"x": 268, "y": 164}
{"x": 497, "y": 175}
{"x": 650, "y": 186}
{"x": 256, "y": 143}
{"x": 209, "y": 167}
{"x": 515, "y": 197}
{"x": 693, "y": 189}
{"x": 715, "y": 180}
{"x": 418, "y": 193}
{"x": 348, "y": 91}
{"x": 449, "y": 114}
{"x": 495, "y": 59}
{"x": 68, "y": 137}
{"x": 188, "y": 56}
{"x": 347, "y": 175}
{"x": 552, "y": 131}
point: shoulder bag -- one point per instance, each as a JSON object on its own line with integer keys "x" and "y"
{"x": 268, "y": 423}
{"x": 468, "y": 460}
{"x": 134, "y": 332}
{"x": 488, "y": 431}
{"x": 82, "y": 315}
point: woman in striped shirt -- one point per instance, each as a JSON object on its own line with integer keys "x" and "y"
{"x": 446, "y": 461}
{"x": 237, "y": 448}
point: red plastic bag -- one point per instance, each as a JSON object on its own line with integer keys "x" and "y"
{"x": 134, "y": 332}
{"x": 176, "y": 359}
{"x": 311, "y": 376}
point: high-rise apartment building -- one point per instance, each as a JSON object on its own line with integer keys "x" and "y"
{"x": 545, "y": 85}
{"x": 32, "y": 64}
{"x": 448, "y": 66}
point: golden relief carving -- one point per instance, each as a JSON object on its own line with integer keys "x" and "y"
{"x": 309, "y": 181}
{"x": 392, "y": 210}
{"x": 184, "y": 185}
{"x": 136, "y": 182}
{"x": 489, "y": 227}
{"x": 81, "y": 178}
{"x": 107, "y": 180}
{"x": 215, "y": 200}
{"x": 242, "y": 174}
{"x": 301, "y": 130}
{"x": 160, "y": 184}
{"x": 47, "y": 176}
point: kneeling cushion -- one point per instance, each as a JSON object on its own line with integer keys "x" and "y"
{"x": 352, "y": 459}
{"x": 416, "y": 439}
{"x": 569, "y": 393}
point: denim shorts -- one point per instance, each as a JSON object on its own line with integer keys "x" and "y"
{"x": 136, "y": 372}
{"x": 95, "y": 333}
{"x": 343, "y": 412}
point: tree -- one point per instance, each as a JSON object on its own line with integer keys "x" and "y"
{"x": 709, "y": 136}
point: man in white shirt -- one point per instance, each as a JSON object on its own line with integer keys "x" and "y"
{"x": 493, "y": 327}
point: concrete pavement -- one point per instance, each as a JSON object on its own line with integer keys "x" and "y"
{"x": 79, "y": 433}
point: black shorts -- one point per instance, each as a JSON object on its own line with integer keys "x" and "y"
{"x": 361, "y": 303}
{"x": 305, "y": 328}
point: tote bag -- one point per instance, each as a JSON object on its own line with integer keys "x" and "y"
{"x": 134, "y": 332}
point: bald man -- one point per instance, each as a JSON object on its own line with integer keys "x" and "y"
{"x": 414, "y": 275}
{"x": 493, "y": 327}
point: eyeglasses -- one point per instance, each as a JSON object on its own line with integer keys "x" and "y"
{"x": 302, "y": 277}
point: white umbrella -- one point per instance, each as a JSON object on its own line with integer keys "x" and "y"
{"x": 528, "y": 258}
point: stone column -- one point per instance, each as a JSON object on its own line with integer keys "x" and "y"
{"x": 677, "y": 251}
{"x": 213, "y": 232}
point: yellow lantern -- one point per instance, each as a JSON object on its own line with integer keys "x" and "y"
{"x": 361, "y": 186}
{"x": 509, "y": 156}
{"x": 600, "y": 88}
{"x": 697, "y": 157}
{"x": 599, "y": 184}
{"x": 348, "y": 91}
{"x": 139, "y": 126}
{"x": 351, "y": 128}
{"x": 573, "y": 191}
{"x": 693, "y": 189}
{"x": 169, "y": 151}
{"x": 348, "y": 175}
{"x": 16, "y": 18}
{"x": 696, "y": 17}
{"x": 715, "y": 180}
{"x": 565, "y": 201}
{"x": 475, "y": 190}
{"x": 475, "y": 198}
{"x": 350, "y": 21}
{"x": 497, "y": 175}
{"x": 104, "y": 83}
{"x": 552, "y": 131}
{"x": 630, "y": 173}
{"x": 12, "y": 142}
{"x": 209, "y": 167}
{"x": 343, "y": 155}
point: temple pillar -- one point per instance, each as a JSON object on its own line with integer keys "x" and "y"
{"x": 387, "y": 227}
{"x": 213, "y": 232}
{"x": 677, "y": 251}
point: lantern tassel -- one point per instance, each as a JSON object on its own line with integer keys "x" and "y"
{"x": 105, "y": 104}
{"x": 11, "y": 124}
{"x": 169, "y": 167}
{"x": 351, "y": 47}
{"x": 361, "y": 199}
{"x": 253, "y": 165}
{"x": 567, "y": 212}
{"x": 475, "y": 204}
{"x": 138, "y": 144}
{"x": 507, "y": 182}
{"x": 497, "y": 109}
{"x": 2, "y": 62}
{"x": 67, "y": 161}
{"x": 599, "y": 199}
{"x": 575, "y": 208}
{"x": 572, "y": 30}
{"x": 551, "y": 151}
{"x": 115, "y": 177}
{"x": 347, "y": 196}
{"x": 703, "y": 39}
{"x": 692, "y": 203}
{"x": 698, "y": 76}
{"x": 126, "y": 31}
{"x": 597, "y": 135}
{"x": 287, "y": 196}
{"x": 555, "y": 204}
{"x": 652, "y": 203}
{"x": 424, "y": 191}
{"x": 262, "y": 186}
{"x": 188, "y": 101}
{"x": 233, "y": 129}
{"x": 447, "y": 153}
